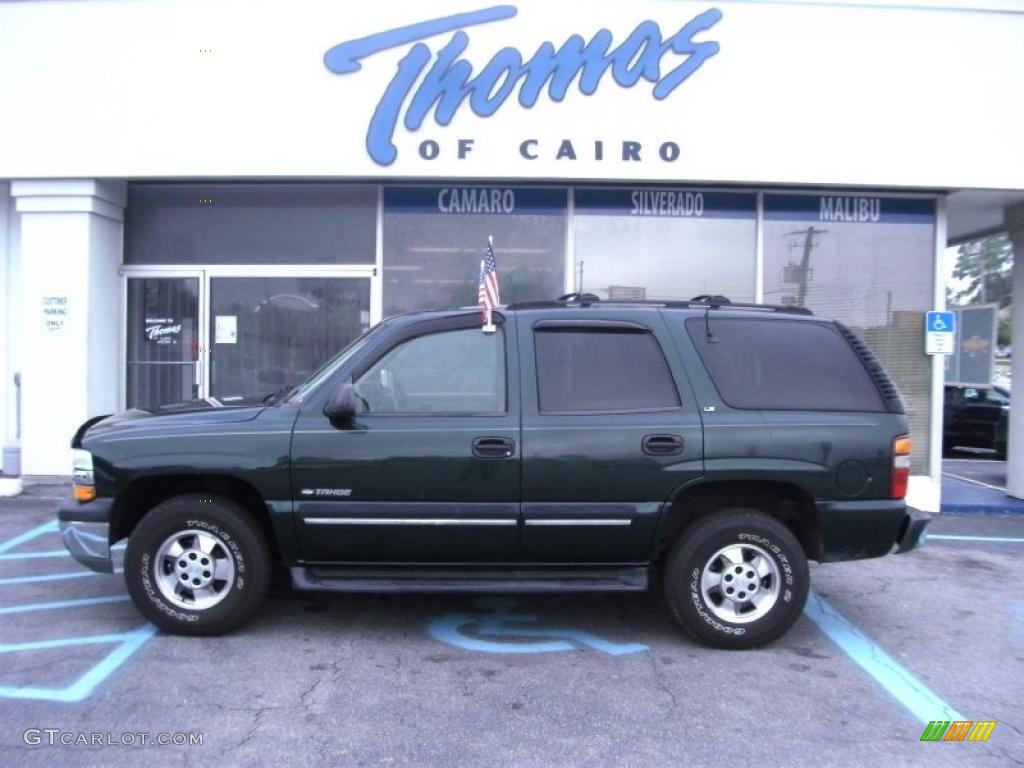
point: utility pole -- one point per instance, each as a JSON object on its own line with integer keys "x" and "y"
{"x": 801, "y": 274}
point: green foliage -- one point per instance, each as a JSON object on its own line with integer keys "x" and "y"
{"x": 1003, "y": 331}
{"x": 987, "y": 267}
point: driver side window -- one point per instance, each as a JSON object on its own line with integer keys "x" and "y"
{"x": 452, "y": 372}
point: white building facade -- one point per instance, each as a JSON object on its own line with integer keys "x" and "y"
{"x": 206, "y": 199}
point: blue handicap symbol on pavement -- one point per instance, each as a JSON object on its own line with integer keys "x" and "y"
{"x": 940, "y": 322}
{"x": 125, "y": 644}
{"x": 498, "y": 622}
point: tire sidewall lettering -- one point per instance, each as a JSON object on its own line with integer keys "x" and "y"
{"x": 776, "y": 550}
{"x": 786, "y": 597}
{"x": 698, "y": 605}
{"x": 230, "y": 543}
{"x": 188, "y": 616}
{"x": 155, "y": 597}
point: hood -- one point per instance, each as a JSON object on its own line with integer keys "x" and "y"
{"x": 197, "y": 412}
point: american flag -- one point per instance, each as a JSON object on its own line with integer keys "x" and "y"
{"x": 487, "y": 295}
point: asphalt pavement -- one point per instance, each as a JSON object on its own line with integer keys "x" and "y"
{"x": 884, "y": 647}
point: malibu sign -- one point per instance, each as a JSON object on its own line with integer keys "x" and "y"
{"x": 441, "y": 81}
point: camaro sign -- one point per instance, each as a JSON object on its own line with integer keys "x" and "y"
{"x": 433, "y": 79}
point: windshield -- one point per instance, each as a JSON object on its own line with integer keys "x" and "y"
{"x": 324, "y": 371}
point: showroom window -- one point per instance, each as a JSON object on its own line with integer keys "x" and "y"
{"x": 867, "y": 261}
{"x": 664, "y": 243}
{"x": 434, "y": 238}
{"x": 250, "y": 224}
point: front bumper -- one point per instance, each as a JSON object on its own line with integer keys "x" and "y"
{"x": 913, "y": 528}
{"x": 85, "y": 529}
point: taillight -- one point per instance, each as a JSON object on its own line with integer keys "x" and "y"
{"x": 900, "y": 467}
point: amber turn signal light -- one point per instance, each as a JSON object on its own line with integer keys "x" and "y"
{"x": 84, "y": 492}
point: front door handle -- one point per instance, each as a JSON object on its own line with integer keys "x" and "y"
{"x": 494, "y": 447}
{"x": 662, "y": 445}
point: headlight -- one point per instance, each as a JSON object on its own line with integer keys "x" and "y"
{"x": 83, "y": 482}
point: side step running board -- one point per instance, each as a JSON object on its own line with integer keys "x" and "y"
{"x": 321, "y": 579}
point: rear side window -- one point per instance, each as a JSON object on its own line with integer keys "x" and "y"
{"x": 601, "y": 371}
{"x": 783, "y": 365}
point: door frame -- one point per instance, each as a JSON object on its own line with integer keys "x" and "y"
{"x": 207, "y": 272}
{"x": 184, "y": 271}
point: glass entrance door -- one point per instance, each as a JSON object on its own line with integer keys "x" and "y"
{"x": 162, "y": 350}
{"x": 215, "y": 333}
{"x": 270, "y": 332}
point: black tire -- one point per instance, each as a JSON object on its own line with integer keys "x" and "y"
{"x": 235, "y": 532}
{"x": 756, "y": 533}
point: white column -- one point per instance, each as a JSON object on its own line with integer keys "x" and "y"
{"x": 71, "y": 245}
{"x": 1014, "y": 219}
{"x": 6, "y": 332}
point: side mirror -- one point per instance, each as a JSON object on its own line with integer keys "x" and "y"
{"x": 341, "y": 408}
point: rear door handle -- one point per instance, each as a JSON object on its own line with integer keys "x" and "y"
{"x": 494, "y": 447}
{"x": 662, "y": 445}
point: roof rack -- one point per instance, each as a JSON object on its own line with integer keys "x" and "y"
{"x": 706, "y": 301}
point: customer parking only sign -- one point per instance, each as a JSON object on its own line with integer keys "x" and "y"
{"x": 940, "y": 333}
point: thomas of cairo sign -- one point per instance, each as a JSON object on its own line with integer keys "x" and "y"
{"x": 441, "y": 81}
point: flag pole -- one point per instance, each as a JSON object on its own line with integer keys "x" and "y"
{"x": 488, "y": 326}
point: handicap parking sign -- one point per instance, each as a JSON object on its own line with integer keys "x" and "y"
{"x": 940, "y": 333}
{"x": 941, "y": 322}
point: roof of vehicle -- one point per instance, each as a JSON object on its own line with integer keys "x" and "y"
{"x": 575, "y": 301}
{"x": 700, "y": 303}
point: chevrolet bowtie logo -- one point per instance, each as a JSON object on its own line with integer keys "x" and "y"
{"x": 975, "y": 346}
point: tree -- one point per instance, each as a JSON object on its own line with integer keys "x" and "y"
{"x": 987, "y": 267}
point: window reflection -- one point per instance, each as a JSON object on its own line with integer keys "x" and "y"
{"x": 867, "y": 262}
{"x": 434, "y": 239}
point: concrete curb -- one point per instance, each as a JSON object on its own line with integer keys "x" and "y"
{"x": 1009, "y": 508}
{"x": 10, "y": 486}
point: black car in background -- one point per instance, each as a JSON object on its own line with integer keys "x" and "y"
{"x": 976, "y": 417}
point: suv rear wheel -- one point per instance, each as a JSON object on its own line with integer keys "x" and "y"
{"x": 197, "y": 565}
{"x": 736, "y": 579}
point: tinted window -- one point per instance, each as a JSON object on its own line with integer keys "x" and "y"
{"x": 587, "y": 371}
{"x": 453, "y": 372}
{"x": 784, "y": 365}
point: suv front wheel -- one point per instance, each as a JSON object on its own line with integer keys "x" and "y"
{"x": 197, "y": 565}
{"x": 736, "y": 579}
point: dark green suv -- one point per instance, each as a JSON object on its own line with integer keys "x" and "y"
{"x": 583, "y": 445}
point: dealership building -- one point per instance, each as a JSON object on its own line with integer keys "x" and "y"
{"x": 207, "y": 199}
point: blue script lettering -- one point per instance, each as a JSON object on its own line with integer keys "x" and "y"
{"x": 446, "y": 80}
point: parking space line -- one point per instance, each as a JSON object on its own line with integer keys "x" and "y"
{"x": 889, "y": 673}
{"x": 35, "y": 555}
{"x": 63, "y": 604}
{"x": 952, "y": 537}
{"x": 974, "y": 482}
{"x": 48, "y": 553}
{"x": 61, "y": 642}
{"x": 51, "y": 577}
{"x": 130, "y": 643}
{"x": 28, "y": 536}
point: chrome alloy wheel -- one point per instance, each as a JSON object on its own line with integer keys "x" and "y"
{"x": 740, "y": 583}
{"x": 194, "y": 570}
